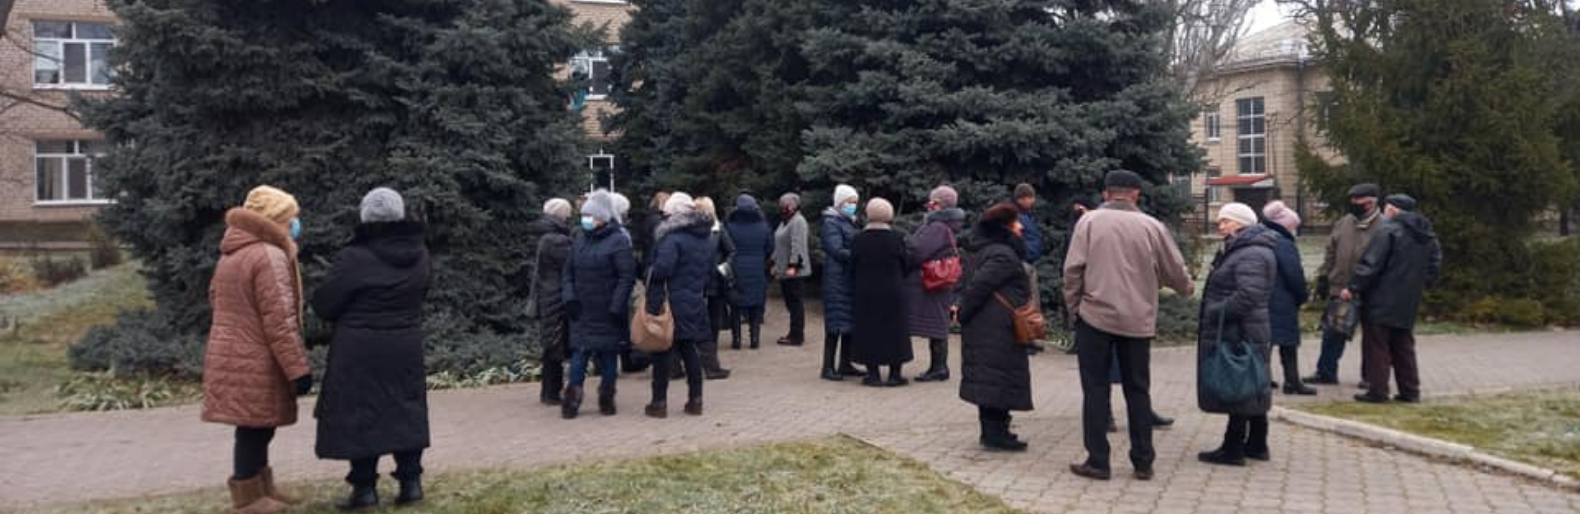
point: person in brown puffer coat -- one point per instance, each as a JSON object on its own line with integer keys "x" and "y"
{"x": 255, "y": 364}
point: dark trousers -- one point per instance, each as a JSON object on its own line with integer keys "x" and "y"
{"x": 1333, "y": 344}
{"x": 1390, "y": 349}
{"x": 608, "y": 367}
{"x": 1289, "y": 357}
{"x": 687, "y": 351}
{"x": 365, "y": 472}
{"x": 251, "y": 452}
{"x": 1096, "y": 350}
{"x": 719, "y": 318}
{"x": 791, "y": 290}
{"x": 1245, "y": 434}
{"x": 749, "y": 315}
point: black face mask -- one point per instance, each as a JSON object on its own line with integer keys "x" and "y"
{"x": 1359, "y": 210}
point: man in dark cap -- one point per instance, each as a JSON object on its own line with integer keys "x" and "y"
{"x": 1346, "y": 244}
{"x": 1118, "y": 259}
{"x": 1404, "y": 259}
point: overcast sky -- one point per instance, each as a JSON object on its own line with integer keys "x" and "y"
{"x": 1266, "y": 14}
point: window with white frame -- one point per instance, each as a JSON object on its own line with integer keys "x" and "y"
{"x": 1211, "y": 123}
{"x": 592, "y": 66}
{"x": 1252, "y": 133}
{"x": 63, "y": 170}
{"x": 1213, "y": 192}
{"x": 70, "y": 54}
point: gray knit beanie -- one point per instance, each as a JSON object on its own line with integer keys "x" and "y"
{"x": 383, "y": 205}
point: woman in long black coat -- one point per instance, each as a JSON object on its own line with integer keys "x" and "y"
{"x": 554, "y": 329}
{"x": 880, "y": 258}
{"x": 1238, "y": 292}
{"x": 754, "y": 243}
{"x": 375, "y": 399}
{"x": 994, "y": 372}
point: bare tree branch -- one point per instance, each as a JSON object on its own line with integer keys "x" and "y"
{"x": 1204, "y": 33}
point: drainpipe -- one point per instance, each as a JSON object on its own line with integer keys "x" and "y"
{"x": 1300, "y": 128}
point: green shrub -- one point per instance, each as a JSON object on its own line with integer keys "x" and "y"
{"x": 1177, "y": 318}
{"x": 103, "y": 253}
{"x": 138, "y": 344}
{"x": 103, "y": 391}
{"x": 1523, "y": 313}
{"x": 1555, "y": 283}
{"x": 51, "y": 272}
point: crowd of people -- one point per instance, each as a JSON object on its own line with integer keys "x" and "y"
{"x": 711, "y": 271}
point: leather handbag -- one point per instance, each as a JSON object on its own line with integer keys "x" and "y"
{"x": 651, "y": 333}
{"x": 944, "y": 273}
{"x": 1029, "y": 323}
{"x": 1232, "y": 372}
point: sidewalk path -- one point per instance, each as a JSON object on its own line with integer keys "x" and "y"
{"x": 776, "y": 395}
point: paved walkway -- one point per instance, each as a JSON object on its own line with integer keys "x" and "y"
{"x": 776, "y": 396}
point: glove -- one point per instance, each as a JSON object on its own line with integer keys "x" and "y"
{"x": 304, "y": 385}
{"x": 573, "y": 310}
{"x": 1323, "y": 288}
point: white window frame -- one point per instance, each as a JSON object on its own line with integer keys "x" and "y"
{"x": 88, "y": 54}
{"x": 585, "y": 60}
{"x": 593, "y": 168}
{"x": 1212, "y": 124}
{"x": 77, "y": 152}
{"x": 1250, "y": 137}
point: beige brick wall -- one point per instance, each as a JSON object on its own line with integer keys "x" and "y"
{"x": 22, "y": 123}
{"x": 610, "y": 15}
{"x": 1283, "y": 89}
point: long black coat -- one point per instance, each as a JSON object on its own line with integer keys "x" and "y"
{"x": 838, "y": 232}
{"x": 880, "y": 259}
{"x": 1289, "y": 290}
{"x": 597, "y": 289}
{"x": 994, "y": 370}
{"x": 723, "y": 254}
{"x": 548, "y": 304}
{"x": 374, "y": 399}
{"x": 1239, "y": 288}
{"x": 682, "y": 262}
{"x": 754, "y": 242}
{"x": 1403, "y": 259}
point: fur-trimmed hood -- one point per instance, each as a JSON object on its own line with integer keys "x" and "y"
{"x": 699, "y": 222}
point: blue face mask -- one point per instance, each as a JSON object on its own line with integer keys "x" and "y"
{"x": 849, "y": 209}
{"x": 589, "y": 223}
{"x": 296, "y": 228}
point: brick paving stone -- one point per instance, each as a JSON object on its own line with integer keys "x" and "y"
{"x": 776, "y": 395}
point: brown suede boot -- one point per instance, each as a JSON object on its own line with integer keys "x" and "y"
{"x": 274, "y": 492}
{"x": 247, "y": 497}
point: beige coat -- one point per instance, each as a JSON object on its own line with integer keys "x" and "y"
{"x": 1345, "y": 247}
{"x": 1118, "y": 258}
{"x": 255, "y": 345}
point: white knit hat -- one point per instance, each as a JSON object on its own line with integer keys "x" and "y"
{"x": 600, "y": 205}
{"x": 678, "y": 203}
{"x": 1239, "y": 213}
{"x": 843, "y": 193}
{"x": 622, "y": 206}
{"x": 558, "y": 207}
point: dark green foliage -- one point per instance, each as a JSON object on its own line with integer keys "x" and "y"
{"x": 898, "y": 97}
{"x": 141, "y": 342}
{"x": 51, "y": 271}
{"x": 1462, "y": 104}
{"x": 102, "y": 252}
{"x": 451, "y": 102}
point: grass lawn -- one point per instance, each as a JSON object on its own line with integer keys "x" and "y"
{"x": 39, "y": 326}
{"x": 835, "y": 475}
{"x": 1538, "y": 427}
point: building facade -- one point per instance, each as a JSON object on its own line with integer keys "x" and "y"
{"x": 58, "y": 47}
{"x": 1261, "y": 102}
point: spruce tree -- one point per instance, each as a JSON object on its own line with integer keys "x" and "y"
{"x": 452, "y": 102}
{"x": 1461, "y": 104}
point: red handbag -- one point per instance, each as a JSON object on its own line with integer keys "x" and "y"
{"x": 941, "y": 274}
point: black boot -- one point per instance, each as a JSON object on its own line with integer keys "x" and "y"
{"x": 845, "y": 367}
{"x": 1232, "y": 452}
{"x": 553, "y": 383}
{"x": 572, "y": 402}
{"x": 895, "y": 378}
{"x": 1256, "y": 440}
{"x": 996, "y": 437}
{"x": 830, "y": 348}
{"x": 757, "y": 335}
{"x": 735, "y": 336}
{"x": 606, "y": 399}
{"x": 874, "y": 378}
{"x": 938, "y": 362}
{"x": 410, "y": 491}
{"x": 1290, "y": 355}
{"x": 363, "y": 497}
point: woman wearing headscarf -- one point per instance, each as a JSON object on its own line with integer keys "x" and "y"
{"x": 375, "y": 396}
{"x": 995, "y": 374}
{"x": 255, "y": 362}
{"x": 596, "y": 288}
{"x": 930, "y": 310}
{"x": 754, "y": 243}
{"x": 838, "y": 232}
{"x": 683, "y": 261}
{"x": 880, "y": 260}
{"x": 1289, "y": 293}
{"x": 1238, "y": 292}
{"x": 554, "y": 248}
{"x": 718, "y": 291}
{"x": 792, "y": 264}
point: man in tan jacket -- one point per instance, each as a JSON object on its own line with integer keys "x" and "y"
{"x": 1118, "y": 259}
{"x": 1351, "y": 234}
